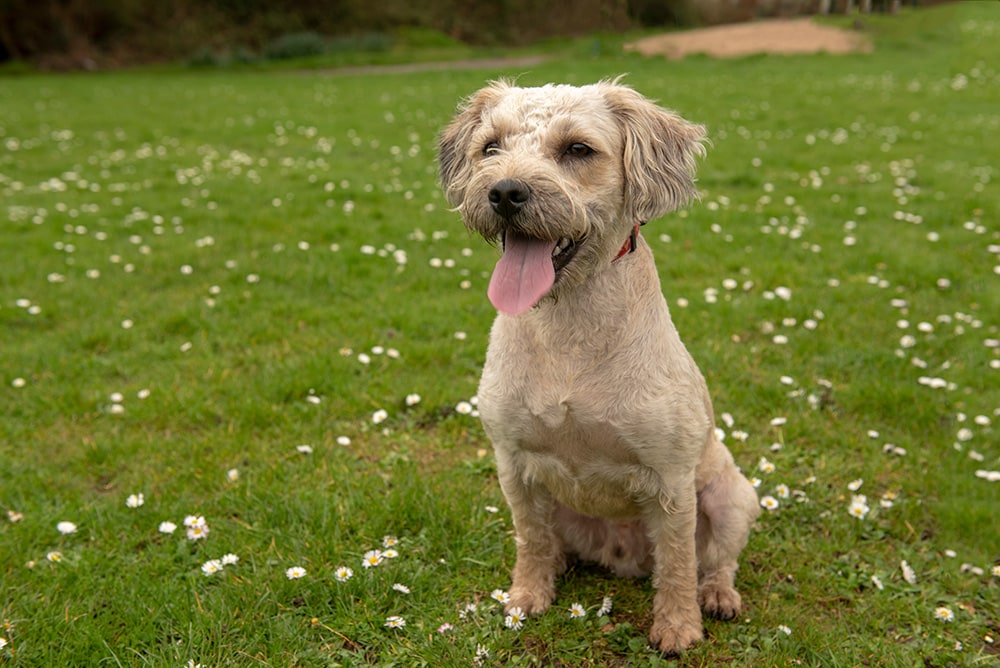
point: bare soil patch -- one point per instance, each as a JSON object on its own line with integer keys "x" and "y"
{"x": 778, "y": 36}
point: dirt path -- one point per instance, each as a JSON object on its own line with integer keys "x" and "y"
{"x": 782, "y": 36}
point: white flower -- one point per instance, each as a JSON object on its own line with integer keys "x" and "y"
{"x": 167, "y": 527}
{"x": 877, "y": 581}
{"x": 343, "y": 574}
{"x": 500, "y": 595}
{"x": 295, "y": 572}
{"x": 401, "y": 588}
{"x": 379, "y": 416}
{"x": 66, "y": 528}
{"x": 211, "y": 567}
{"x": 514, "y": 619}
{"x": 908, "y": 573}
{"x": 576, "y": 611}
{"x": 859, "y": 506}
{"x": 463, "y": 408}
{"x": 135, "y": 500}
{"x": 395, "y": 622}
{"x": 343, "y": 440}
{"x": 784, "y": 629}
{"x": 412, "y": 399}
{"x": 230, "y": 559}
{"x": 389, "y": 541}
{"x": 605, "y": 608}
{"x": 769, "y": 503}
{"x": 855, "y": 485}
{"x": 232, "y": 475}
{"x": 372, "y": 558}
{"x": 944, "y": 614}
{"x": 304, "y": 449}
{"x": 54, "y": 556}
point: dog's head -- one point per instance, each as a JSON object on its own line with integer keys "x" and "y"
{"x": 560, "y": 175}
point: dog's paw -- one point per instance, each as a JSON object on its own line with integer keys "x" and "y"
{"x": 720, "y": 602}
{"x": 671, "y": 639}
{"x": 530, "y": 601}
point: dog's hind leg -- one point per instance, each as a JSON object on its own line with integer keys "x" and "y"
{"x": 727, "y": 507}
{"x": 540, "y": 554}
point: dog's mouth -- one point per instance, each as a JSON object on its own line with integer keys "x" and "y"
{"x": 528, "y": 269}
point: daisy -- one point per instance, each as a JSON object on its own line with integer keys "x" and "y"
{"x": 135, "y": 500}
{"x": 765, "y": 466}
{"x": 995, "y": 571}
{"x": 197, "y": 531}
{"x": 412, "y": 399}
{"x": 605, "y": 608}
{"x": 167, "y": 527}
{"x": 784, "y": 629}
{"x": 444, "y": 628}
{"x": 295, "y": 572}
{"x": 229, "y": 559}
{"x": 576, "y": 611}
{"x": 859, "y": 506}
{"x": 372, "y": 558}
{"x": 389, "y": 541}
{"x": 66, "y": 528}
{"x": 304, "y": 449}
{"x": 782, "y": 491}
{"x": 54, "y": 556}
{"x": 855, "y": 485}
{"x": 482, "y": 654}
{"x": 514, "y": 619}
{"x": 769, "y": 502}
{"x": 401, "y": 588}
{"x": 343, "y": 574}
{"x": 379, "y": 416}
{"x": 908, "y": 573}
{"x": 499, "y": 595}
{"x": 469, "y": 609}
{"x": 394, "y": 622}
{"x": 944, "y": 614}
{"x": 877, "y": 581}
{"x": 211, "y": 567}
{"x": 232, "y": 475}
{"x": 390, "y": 554}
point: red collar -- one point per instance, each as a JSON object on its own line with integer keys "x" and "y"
{"x": 630, "y": 243}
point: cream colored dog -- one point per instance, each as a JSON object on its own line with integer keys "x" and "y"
{"x": 602, "y": 424}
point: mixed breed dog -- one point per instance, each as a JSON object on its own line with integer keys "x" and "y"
{"x": 602, "y": 424}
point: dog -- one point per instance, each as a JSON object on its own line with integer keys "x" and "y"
{"x": 602, "y": 424}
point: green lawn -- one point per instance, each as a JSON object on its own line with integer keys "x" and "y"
{"x": 203, "y": 272}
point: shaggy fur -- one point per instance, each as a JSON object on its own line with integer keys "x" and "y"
{"x": 602, "y": 424}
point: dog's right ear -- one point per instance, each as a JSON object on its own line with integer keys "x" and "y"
{"x": 455, "y": 150}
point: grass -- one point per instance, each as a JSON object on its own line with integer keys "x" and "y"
{"x": 228, "y": 244}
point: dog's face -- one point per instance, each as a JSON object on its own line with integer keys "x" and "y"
{"x": 559, "y": 175}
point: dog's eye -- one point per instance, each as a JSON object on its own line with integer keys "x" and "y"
{"x": 491, "y": 148}
{"x": 578, "y": 150}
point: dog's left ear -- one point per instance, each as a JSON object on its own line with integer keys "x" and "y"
{"x": 659, "y": 154}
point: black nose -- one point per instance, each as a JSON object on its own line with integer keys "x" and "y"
{"x": 508, "y": 196}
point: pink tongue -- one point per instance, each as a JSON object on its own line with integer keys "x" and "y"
{"x": 522, "y": 275}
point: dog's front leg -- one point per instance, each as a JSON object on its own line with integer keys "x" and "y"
{"x": 539, "y": 551}
{"x": 671, "y": 522}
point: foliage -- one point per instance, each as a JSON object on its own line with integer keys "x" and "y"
{"x": 204, "y": 273}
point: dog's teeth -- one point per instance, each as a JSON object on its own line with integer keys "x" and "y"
{"x": 561, "y": 246}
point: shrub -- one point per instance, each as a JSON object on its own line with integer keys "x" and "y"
{"x": 295, "y": 45}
